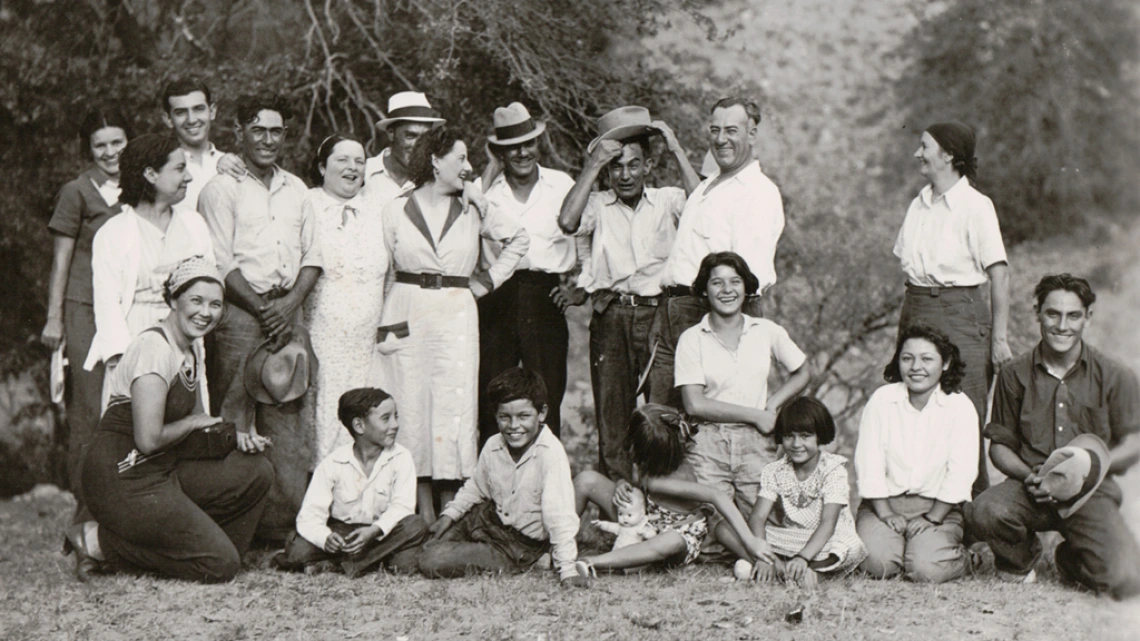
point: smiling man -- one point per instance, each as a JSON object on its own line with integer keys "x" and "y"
{"x": 736, "y": 209}
{"x": 631, "y": 229}
{"x": 1061, "y": 390}
{"x": 409, "y": 116}
{"x": 188, "y": 110}
{"x": 265, "y": 243}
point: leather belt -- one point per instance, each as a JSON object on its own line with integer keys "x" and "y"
{"x": 936, "y": 291}
{"x": 432, "y": 281}
{"x": 672, "y": 291}
{"x": 633, "y": 300}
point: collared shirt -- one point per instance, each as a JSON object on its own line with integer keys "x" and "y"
{"x": 1034, "y": 412}
{"x": 742, "y": 214}
{"x": 629, "y": 246}
{"x": 341, "y": 490}
{"x": 379, "y": 186}
{"x": 200, "y": 174}
{"x": 535, "y": 496}
{"x": 81, "y": 208}
{"x": 550, "y": 250}
{"x": 737, "y": 376}
{"x": 266, "y": 233}
{"x": 932, "y": 452}
{"x": 949, "y": 241}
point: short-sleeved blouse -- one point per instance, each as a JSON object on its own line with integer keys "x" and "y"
{"x": 151, "y": 353}
{"x": 80, "y": 210}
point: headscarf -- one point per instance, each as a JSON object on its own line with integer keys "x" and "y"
{"x": 957, "y": 139}
{"x": 193, "y": 268}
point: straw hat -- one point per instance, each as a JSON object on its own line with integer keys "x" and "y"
{"x": 410, "y": 106}
{"x": 622, "y": 123}
{"x": 513, "y": 125}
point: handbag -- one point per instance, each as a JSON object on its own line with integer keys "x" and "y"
{"x": 213, "y": 442}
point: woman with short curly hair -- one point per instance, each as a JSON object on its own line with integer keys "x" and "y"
{"x": 916, "y": 460}
{"x": 135, "y": 252}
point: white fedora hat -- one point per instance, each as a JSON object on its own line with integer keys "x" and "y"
{"x": 411, "y": 106}
{"x": 622, "y": 123}
{"x": 513, "y": 125}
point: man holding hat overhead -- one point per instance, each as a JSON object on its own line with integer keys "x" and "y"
{"x": 736, "y": 209}
{"x": 631, "y": 229}
{"x": 1065, "y": 416}
{"x": 521, "y": 320}
{"x": 409, "y": 117}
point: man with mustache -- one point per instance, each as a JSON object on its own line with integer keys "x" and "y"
{"x": 736, "y": 209}
{"x": 409, "y": 116}
{"x": 1044, "y": 399}
{"x": 265, "y": 243}
{"x": 631, "y": 229}
{"x": 522, "y": 320}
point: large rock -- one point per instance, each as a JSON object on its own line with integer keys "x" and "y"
{"x": 30, "y": 451}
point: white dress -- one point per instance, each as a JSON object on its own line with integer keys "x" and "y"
{"x": 343, "y": 310}
{"x": 428, "y": 351}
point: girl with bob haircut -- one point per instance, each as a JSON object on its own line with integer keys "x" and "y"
{"x": 136, "y": 251}
{"x": 657, "y": 442}
{"x": 916, "y": 460}
{"x": 801, "y": 509}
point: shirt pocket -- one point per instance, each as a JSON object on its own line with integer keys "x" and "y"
{"x": 1092, "y": 419}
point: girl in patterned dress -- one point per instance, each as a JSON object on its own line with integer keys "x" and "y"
{"x": 657, "y": 442}
{"x": 801, "y": 510}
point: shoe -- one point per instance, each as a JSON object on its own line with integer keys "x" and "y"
{"x": 85, "y": 565}
{"x": 742, "y": 570}
{"x": 585, "y": 569}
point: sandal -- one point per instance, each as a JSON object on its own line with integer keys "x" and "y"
{"x": 85, "y": 564}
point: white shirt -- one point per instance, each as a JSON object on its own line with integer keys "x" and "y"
{"x": 534, "y": 496}
{"x": 200, "y": 174}
{"x": 951, "y": 240}
{"x": 629, "y": 246}
{"x": 743, "y": 214}
{"x": 737, "y": 376}
{"x": 379, "y": 186}
{"x": 550, "y": 250}
{"x": 341, "y": 490}
{"x": 901, "y": 450}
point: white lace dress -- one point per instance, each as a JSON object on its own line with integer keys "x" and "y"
{"x": 343, "y": 311}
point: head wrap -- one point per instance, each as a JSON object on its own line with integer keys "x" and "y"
{"x": 190, "y": 269}
{"x": 956, "y": 139}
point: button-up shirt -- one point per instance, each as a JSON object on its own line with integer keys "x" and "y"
{"x": 200, "y": 174}
{"x": 341, "y": 490}
{"x": 742, "y": 214}
{"x": 380, "y": 188}
{"x": 949, "y": 241}
{"x": 738, "y": 376}
{"x": 534, "y": 496}
{"x": 629, "y": 246}
{"x": 1034, "y": 412}
{"x": 550, "y": 250}
{"x": 266, "y": 233}
{"x": 932, "y": 452}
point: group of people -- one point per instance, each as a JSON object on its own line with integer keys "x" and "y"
{"x": 365, "y": 337}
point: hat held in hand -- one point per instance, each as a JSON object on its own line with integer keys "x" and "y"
{"x": 275, "y": 377}
{"x": 621, "y": 124}
{"x": 1072, "y": 473}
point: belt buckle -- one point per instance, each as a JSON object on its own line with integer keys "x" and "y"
{"x": 432, "y": 281}
{"x": 632, "y": 300}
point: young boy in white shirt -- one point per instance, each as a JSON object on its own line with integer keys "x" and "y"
{"x": 358, "y": 510}
{"x": 520, "y": 502}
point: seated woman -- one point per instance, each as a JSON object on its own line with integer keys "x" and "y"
{"x": 915, "y": 462}
{"x": 134, "y": 252}
{"x": 186, "y": 519}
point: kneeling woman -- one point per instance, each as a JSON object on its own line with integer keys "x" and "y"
{"x": 916, "y": 459}
{"x": 186, "y": 519}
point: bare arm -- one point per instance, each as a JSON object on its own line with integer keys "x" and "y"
{"x": 999, "y": 306}
{"x": 796, "y": 383}
{"x": 62, "y": 251}
{"x": 823, "y": 532}
{"x": 689, "y": 177}
{"x": 690, "y": 491}
{"x": 148, "y": 409}
{"x": 570, "y": 217}
{"x": 240, "y": 293}
{"x": 700, "y": 406}
{"x": 1008, "y": 462}
{"x": 760, "y": 513}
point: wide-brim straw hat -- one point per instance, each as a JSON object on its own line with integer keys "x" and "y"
{"x": 622, "y": 123}
{"x": 513, "y": 125}
{"x": 410, "y": 106}
{"x": 278, "y": 377}
{"x": 1073, "y": 473}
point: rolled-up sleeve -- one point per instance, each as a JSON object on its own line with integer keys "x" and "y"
{"x": 1124, "y": 404}
{"x": 473, "y": 492}
{"x": 310, "y": 242}
{"x": 500, "y": 226}
{"x": 216, "y": 205}
{"x": 1006, "y": 412}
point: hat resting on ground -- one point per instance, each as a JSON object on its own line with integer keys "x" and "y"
{"x": 410, "y": 106}
{"x": 275, "y": 377}
{"x": 1072, "y": 473}
{"x": 514, "y": 125}
{"x": 622, "y": 123}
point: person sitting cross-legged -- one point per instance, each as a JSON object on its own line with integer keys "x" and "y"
{"x": 358, "y": 510}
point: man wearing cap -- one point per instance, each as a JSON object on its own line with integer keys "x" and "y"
{"x": 736, "y": 209}
{"x": 631, "y": 229}
{"x": 410, "y": 116}
{"x": 520, "y": 321}
{"x": 265, "y": 243}
{"x": 1062, "y": 395}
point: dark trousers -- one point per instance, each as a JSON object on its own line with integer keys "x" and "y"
{"x": 479, "y": 542}
{"x": 672, "y": 319}
{"x": 83, "y": 397}
{"x": 189, "y": 520}
{"x": 619, "y": 352}
{"x": 519, "y": 322}
{"x": 409, "y": 533}
{"x": 1099, "y": 551}
{"x": 964, "y": 316}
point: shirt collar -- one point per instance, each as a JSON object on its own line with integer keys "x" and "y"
{"x": 96, "y": 175}
{"x": 951, "y": 196}
{"x": 501, "y": 179}
{"x": 646, "y": 196}
{"x": 543, "y": 440}
{"x": 745, "y": 175}
{"x": 902, "y": 396}
{"x": 345, "y": 456}
{"x": 375, "y": 164}
{"x": 749, "y": 323}
{"x": 1038, "y": 358}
